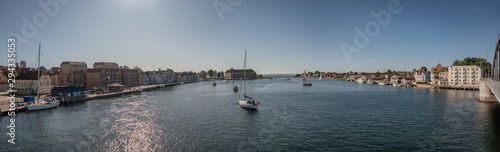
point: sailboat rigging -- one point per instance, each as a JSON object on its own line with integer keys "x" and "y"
{"x": 38, "y": 105}
{"x": 248, "y": 102}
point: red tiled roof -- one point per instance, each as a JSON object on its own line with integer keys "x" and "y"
{"x": 438, "y": 68}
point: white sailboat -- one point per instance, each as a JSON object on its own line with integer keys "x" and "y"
{"x": 46, "y": 104}
{"x": 320, "y": 76}
{"x": 247, "y": 102}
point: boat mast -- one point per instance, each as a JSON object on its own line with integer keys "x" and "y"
{"x": 38, "y": 76}
{"x": 245, "y": 73}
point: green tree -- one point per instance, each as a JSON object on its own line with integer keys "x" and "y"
{"x": 423, "y": 68}
{"x": 260, "y": 75}
{"x": 456, "y": 62}
{"x": 202, "y": 74}
{"x": 486, "y": 66}
{"x": 210, "y": 73}
{"x": 6, "y": 72}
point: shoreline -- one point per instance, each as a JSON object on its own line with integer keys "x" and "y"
{"x": 89, "y": 97}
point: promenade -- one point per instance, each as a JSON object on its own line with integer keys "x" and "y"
{"x": 4, "y": 103}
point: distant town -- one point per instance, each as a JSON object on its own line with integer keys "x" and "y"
{"x": 465, "y": 74}
{"x": 74, "y": 74}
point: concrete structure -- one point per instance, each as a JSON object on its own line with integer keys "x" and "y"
{"x": 485, "y": 94}
{"x": 439, "y": 75}
{"x": 29, "y": 79}
{"x": 492, "y": 87}
{"x": 105, "y": 65}
{"x": 238, "y": 74}
{"x": 464, "y": 75}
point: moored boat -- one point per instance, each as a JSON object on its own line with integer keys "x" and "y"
{"x": 47, "y": 103}
{"x": 247, "y": 102}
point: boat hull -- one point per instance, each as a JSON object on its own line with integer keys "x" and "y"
{"x": 43, "y": 106}
{"x": 244, "y": 104}
{"x": 307, "y": 84}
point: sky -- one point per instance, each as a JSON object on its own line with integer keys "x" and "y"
{"x": 281, "y": 36}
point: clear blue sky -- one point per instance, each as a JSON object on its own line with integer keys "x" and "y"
{"x": 281, "y": 36}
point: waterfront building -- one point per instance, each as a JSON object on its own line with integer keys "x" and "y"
{"x": 116, "y": 87}
{"x": 396, "y": 79}
{"x": 145, "y": 79}
{"x": 439, "y": 75}
{"x": 68, "y": 66}
{"x": 105, "y": 65}
{"x": 356, "y": 77}
{"x": 29, "y": 80}
{"x": 238, "y": 74}
{"x": 407, "y": 80}
{"x": 131, "y": 77}
{"x": 72, "y": 73}
{"x": 167, "y": 76}
{"x": 151, "y": 77}
{"x": 69, "y": 91}
{"x": 101, "y": 78}
{"x": 422, "y": 76}
{"x": 186, "y": 76}
{"x": 465, "y": 75}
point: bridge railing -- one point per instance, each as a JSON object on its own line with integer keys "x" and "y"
{"x": 494, "y": 87}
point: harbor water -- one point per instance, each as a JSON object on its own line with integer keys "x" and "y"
{"x": 331, "y": 115}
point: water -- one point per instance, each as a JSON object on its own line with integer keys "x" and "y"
{"x": 331, "y": 115}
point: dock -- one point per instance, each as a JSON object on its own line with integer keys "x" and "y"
{"x": 69, "y": 100}
{"x": 115, "y": 94}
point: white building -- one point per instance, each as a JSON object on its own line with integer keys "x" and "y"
{"x": 439, "y": 75}
{"x": 421, "y": 76}
{"x": 29, "y": 80}
{"x": 464, "y": 75}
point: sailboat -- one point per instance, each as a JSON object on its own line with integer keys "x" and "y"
{"x": 248, "y": 102}
{"x": 304, "y": 81}
{"x": 320, "y": 76}
{"x": 39, "y": 105}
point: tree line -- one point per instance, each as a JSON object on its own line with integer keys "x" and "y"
{"x": 211, "y": 74}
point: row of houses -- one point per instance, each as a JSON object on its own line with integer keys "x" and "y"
{"x": 467, "y": 75}
{"x": 103, "y": 74}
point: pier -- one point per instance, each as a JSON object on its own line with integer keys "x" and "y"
{"x": 75, "y": 99}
